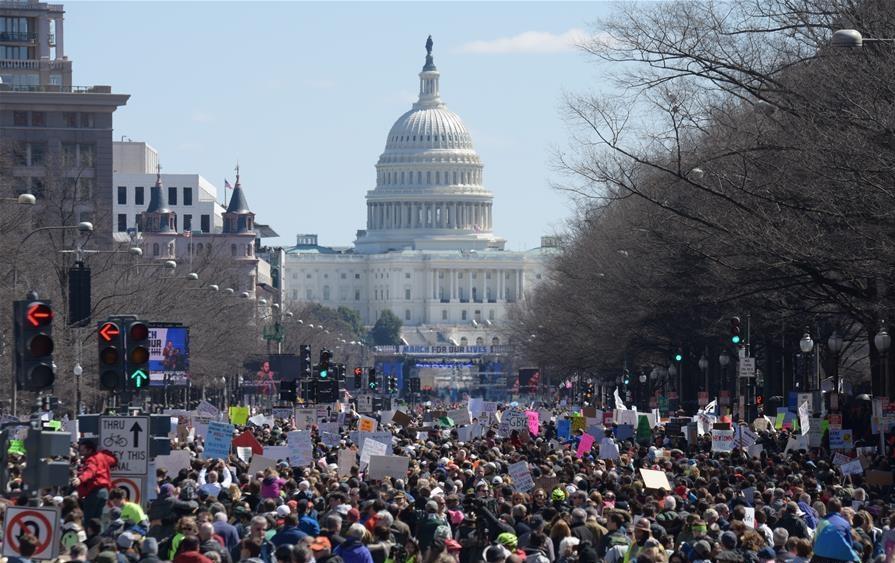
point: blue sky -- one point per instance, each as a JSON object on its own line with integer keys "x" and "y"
{"x": 303, "y": 95}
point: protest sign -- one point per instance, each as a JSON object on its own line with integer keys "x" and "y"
{"x": 173, "y": 462}
{"x": 585, "y": 445}
{"x": 371, "y": 447}
{"x": 208, "y": 409}
{"x": 624, "y": 432}
{"x": 564, "y": 428}
{"x": 244, "y": 454}
{"x": 248, "y": 440}
{"x": 521, "y": 476}
{"x": 804, "y": 420}
{"x": 279, "y": 453}
{"x": 512, "y": 420}
{"x": 749, "y": 518}
{"x": 475, "y": 407}
{"x": 218, "y": 440}
{"x": 367, "y": 424}
{"x": 260, "y": 463}
{"x": 383, "y": 436}
{"x": 401, "y": 418}
{"x": 876, "y": 477}
{"x": 347, "y": 460}
{"x": 796, "y": 442}
{"x": 305, "y": 418}
{"x": 745, "y": 437}
{"x": 839, "y": 459}
{"x": 608, "y": 449}
{"x": 840, "y": 439}
{"x": 755, "y": 450}
{"x": 459, "y": 416}
{"x": 626, "y": 417}
{"x": 261, "y": 420}
{"x": 382, "y": 466}
{"x": 852, "y": 468}
{"x": 301, "y": 449}
{"x": 722, "y": 441}
{"x": 815, "y": 432}
{"x": 653, "y": 479}
{"x": 534, "y": 421}
{"x": 239, "y": 415}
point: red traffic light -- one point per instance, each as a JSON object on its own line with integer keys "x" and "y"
{"x": 358, "y": 371}
{"x": 138, "y": 331}
{"x": 39, "y": 314}
{"x": 109, "y": 331}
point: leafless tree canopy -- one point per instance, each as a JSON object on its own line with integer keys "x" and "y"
{"x": 733, "y": 163}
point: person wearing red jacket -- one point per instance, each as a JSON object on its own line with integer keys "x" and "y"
{"x": 94, "y": 477}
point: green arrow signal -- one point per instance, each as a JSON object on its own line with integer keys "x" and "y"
{"x": 139, "y": 378}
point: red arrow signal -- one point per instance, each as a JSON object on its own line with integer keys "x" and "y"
{"x": 39, "y": 314}
{"x": 109, "y": 331}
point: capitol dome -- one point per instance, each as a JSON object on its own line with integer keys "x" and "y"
{"x": 429, "y": 190}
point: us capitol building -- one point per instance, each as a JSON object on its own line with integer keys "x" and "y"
{"x": 428, "y": 253}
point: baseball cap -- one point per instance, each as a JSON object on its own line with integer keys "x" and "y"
{"x": 283, "y": 511}
{"x": 321, "y": 543}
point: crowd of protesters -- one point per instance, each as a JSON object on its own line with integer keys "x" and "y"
{"x": 458, "y": 504}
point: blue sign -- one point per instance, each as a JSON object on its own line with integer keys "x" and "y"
{"x": 564, "y": 428}
{"x": 218, "y": 440}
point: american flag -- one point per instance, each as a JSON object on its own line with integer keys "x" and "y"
{"x": 227, "y": 185}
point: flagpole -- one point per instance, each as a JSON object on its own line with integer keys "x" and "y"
{"x": 225, "y": 193}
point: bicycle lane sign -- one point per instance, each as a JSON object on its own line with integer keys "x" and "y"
{"x": 128, "y": 438}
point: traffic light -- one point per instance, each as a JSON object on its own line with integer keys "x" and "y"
{"x": 288, "y": 391}
{"x": 326, "y": 391}
{"x": 323, "y": 366}
{"x": 735, "y": 330}
{"x": 110, "y": 345}
{"x": 304, "y": 357}
{"x": 759, "y": 400}
{"x": 678, "y": 356}
{"x": 626, "y": 377}
{"x": 137, "y": 344}
{"x": 371, "y": 379}
{"x": 414, "y": 384}
{"x": 35, "y": 370}
{"x": 392, "y": 384}
{"x": 340, "y": 373}
{"x": 358, "y": 377}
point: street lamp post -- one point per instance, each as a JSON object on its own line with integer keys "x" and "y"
{"x": 724, "y": 360}
{"x": 645, "y": 400}
{"x": 82, "y": 227}
{"x": 672, "y": 372}
{"x": 806, "y": 344}
{"x": 882, "y": 341}
{"x": 704, "y": 366}
{"x": 834, "y": 345}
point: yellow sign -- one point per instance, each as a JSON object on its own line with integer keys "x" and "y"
{"x": 239, "y": 415}
{"x": 578, "y": 423}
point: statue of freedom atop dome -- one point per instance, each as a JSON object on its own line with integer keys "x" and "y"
{"x": 429, "y": 46}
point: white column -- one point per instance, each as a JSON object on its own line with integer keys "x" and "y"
{"x": 500, "y": 285}
{"x": 60, "y": 40}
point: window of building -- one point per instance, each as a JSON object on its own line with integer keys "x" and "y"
{"x": 326, "y": 293}
{"x": 187, "y": 196}
{"x": 86, "y": 155}
{"x": 122, "y": 222}
{"x": 37, "y": 153}
{"x": 479, "y": 341}
{"x": 357, "y": 276}
{"x": 357, "y": 295}
{"x": 294, "y": 294}
{"x": 406, "y": 314}
{"x": 407, "y": 276}
{"x": 495, "y": 341}
{"x": 172, "y": 195}
{"x": 70, "y": 119}
{"x": 155, "y": 249}
{"x": 20, "y": 118}
{"x": 138, "y": 195}
{"x": 249, "y": 249}
{"x": 407, "y": 294}
{"x": 444, "y": 314}
{"x": 206, "y": 223}
{"x": 171, "y": 248}
{"x": 343, "y": 276}
{"x": 307, "y": 276}
{"x": 187, "y": 223}
{"x": 428, "y": 177}
{"x": 326, "y": 276}
{"x": 464, "y": 341}
{"x": 491, "y": 315}
{"x": 463, "y": 315}
{"x": 233, "y": 250}
{"x": 122, "y": 195}
{"x": 38, "y": 119}
{"x": 309, "y": 294}
{"x": 478, "y": 315}
{"x": 87, "y": 120}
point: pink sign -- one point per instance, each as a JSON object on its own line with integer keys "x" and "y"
{"x": 534, "y": 420}
{"x": 584, "y": 446}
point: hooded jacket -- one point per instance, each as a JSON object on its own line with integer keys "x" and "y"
{"x": 833, "y": 539}
{"x": 96, "y": 472}
{"x": 353, "y": 551}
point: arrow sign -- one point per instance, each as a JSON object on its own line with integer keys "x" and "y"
{"x": 38, "y": 313}
{"x": 109, "y": 331}
{"x": 136, "y": 429}
{"x": 139, "y": 378}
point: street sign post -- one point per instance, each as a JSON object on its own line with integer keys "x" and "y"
{"x": 128, "y": 438}
{"x": 747, "y": 367}
{"x": 42, "y": 523}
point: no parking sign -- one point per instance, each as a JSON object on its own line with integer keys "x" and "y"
{"x": 42, "y": 523}
{"x": 133, "y": 487}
